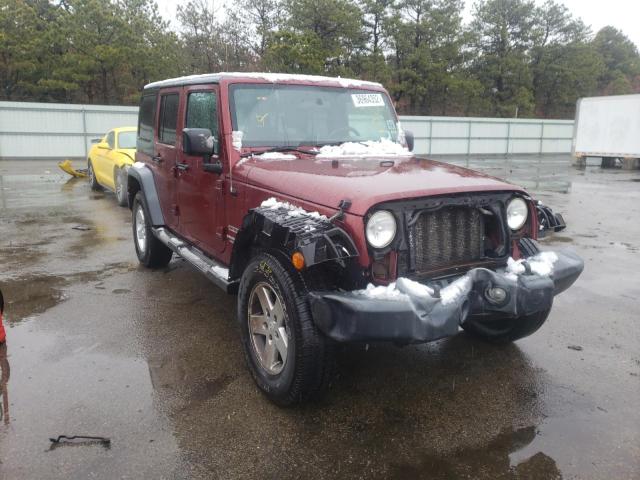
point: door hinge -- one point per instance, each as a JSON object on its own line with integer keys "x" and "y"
{"x": 221, "y": 232}
{"x": 176, "y": 210}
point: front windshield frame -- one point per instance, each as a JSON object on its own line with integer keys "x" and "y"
{"x": 392, "y": 122}
{"x": 127, "y": 133}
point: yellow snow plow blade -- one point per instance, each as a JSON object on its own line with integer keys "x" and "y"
{"x": 66, "y": 167}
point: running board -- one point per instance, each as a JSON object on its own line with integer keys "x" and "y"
{"x": 213, "y": 270}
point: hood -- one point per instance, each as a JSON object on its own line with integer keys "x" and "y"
{"x": 365, "y": 181}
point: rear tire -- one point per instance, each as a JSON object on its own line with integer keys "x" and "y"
{"x": 151, "y": 252}
{"x": 120, "y": 182}
{"x": 275, "y": 317}
{"x": 93, "y": 182}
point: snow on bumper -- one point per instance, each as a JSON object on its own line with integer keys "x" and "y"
{"x": 410, "y": 312}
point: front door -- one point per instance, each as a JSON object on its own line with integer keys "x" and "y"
{"x": 165, "y": 156}
{"x": 199, "y": 192}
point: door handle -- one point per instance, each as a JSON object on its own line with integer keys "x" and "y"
{"x": 157, "y": 159}
{"x": 183, "y": 167}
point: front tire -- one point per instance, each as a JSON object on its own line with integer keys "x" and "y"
{"x": 151, "y": 252}
{"x": 93, "y": 181}
{"x": 120, "y": 182}
{"x": 289, "y": 359}
{"x": 505, "y": 330}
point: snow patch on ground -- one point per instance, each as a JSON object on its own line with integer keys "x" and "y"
{"x": 293, "y": 211}
{"x": 382, "y": 148}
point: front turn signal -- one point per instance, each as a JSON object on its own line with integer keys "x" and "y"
{"x": 298, "y": 260}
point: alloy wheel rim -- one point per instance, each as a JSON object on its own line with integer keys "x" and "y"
{"x": 119, "y": 185}
{"x": 141, "y": 230}
{"x": 268, "y": 328}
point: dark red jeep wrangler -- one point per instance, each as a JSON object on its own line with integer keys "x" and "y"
{"x": 300, "y": 194}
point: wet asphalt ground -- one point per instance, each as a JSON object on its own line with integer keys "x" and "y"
{"x": 151, "y": 359}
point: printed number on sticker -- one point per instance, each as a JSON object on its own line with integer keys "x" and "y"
{"x": 367, "y": 100}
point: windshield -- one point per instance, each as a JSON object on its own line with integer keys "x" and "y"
{"x": 127, "y": 140}
{"x": 294, "y": 115}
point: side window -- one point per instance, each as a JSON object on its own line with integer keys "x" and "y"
{"x": 202, "y": 112}
{"x": 111, "y": 140}
{"x": 146, "y": 118}
{"x": 168, "y": 118}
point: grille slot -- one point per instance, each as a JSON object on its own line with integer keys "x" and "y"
{"x": 446, "y": 237}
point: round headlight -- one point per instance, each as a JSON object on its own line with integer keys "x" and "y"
{"x": 381, "y": 229}
{"x": 517, "y": 212}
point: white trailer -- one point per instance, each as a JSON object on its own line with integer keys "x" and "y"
{"x": 609, "y": 128}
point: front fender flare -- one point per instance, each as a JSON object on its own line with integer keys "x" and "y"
{"x": 316, "y": 238}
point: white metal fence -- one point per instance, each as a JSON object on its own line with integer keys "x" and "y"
{"x": 489, "y": 136}
{"x": 39, "y": 130}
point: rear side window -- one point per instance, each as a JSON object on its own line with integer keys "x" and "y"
{"x": 145, "y": 123}
{"x": 168, "y": 118}
{"x": 202, "y": 112}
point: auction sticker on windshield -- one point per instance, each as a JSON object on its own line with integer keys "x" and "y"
{"x": 367, "y": 100}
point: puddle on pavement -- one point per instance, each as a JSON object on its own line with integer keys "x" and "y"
{"x": 31, "y": 295}
{"x": 491, "y": 461}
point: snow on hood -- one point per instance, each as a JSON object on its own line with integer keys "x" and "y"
{"x": 381, "y": 148}
{"x": 274, "y": 156}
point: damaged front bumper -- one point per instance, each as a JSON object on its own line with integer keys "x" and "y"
{"x": 411, "y": 318}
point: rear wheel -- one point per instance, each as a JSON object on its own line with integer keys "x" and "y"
{"x": 290, "y": 360}
{"x": 151, "y": 252}
{"x": 120, "y": 181}
{"x": 93, "y": 182}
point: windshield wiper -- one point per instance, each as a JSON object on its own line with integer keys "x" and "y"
{"x": 281, "y": 149}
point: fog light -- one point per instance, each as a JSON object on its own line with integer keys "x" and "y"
{"x": 496, "y": 295}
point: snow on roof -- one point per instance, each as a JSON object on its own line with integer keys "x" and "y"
{"x": 268, "y": 77}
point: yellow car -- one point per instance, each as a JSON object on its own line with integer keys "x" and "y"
{"x": 110, "y": 159}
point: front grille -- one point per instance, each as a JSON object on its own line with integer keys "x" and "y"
{"x": 446, "y": 237}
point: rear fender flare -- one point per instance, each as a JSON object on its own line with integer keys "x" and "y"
{"x": 140, "y": 178}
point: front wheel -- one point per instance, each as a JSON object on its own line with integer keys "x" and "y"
{"x": 93, "y": 181}
{"x": 120, "y": 181}
{"x": 151, "y": 252}
{"x": 505, "y": 330}
{"x": 290, "y": 360}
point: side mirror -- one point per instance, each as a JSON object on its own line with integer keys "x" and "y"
{"x": 408, "y": 136}
{"x": 95, "y": 140}
{"x": 198, "y": 141}
{"x": 103, "y": 145}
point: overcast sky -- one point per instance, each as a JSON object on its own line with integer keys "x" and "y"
{"x": 622, "y": 14}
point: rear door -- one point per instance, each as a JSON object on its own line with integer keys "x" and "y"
{"x": 199, "y": 192}
{"x": 163, "y": 161}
